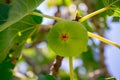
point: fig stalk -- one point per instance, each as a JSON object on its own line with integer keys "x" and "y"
{"x": 71, "y": 68}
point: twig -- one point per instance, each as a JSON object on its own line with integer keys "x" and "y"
{"x": 56, "y": 65}
{"x": 54, "y": 69}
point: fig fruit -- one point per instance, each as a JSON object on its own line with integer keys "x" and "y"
{"x": 68, "y": 38}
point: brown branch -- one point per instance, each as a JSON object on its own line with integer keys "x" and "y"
{"x": 54, "y": 69}
{"x": 56, "y": 65}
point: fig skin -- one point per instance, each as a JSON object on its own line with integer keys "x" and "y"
{"x": 68, "y": 38}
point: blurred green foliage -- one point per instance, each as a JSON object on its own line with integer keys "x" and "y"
{"x": 111, "y": 78}
{"x": 46, "y": 77}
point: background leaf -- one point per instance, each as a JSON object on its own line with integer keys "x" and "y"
{"x": 46, "y": 77}
{"x": 111, "y": 78}
{"x": 116, "y": 19}
{"x": 88, "y": 59}
{"x": 2, "y": 1}
{"x": 114, "y": 7}
{"x": 6, "y": 69}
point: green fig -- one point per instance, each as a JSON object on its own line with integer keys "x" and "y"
{"x": 68, "y": 38}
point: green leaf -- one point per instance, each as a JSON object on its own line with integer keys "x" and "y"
{"x": 114, "y": 9}
{"x": 111, "y": 78}
{"x": 4, "y": 9}
{"x": 5, "y": 1}
{"x": 19, "y": 9}
{"x": 116, "y": 19}
{"x": 88, "y": 59}
{"x": 2, "y": 1}
{"x": 46, "y": 77}
{"x": 13, "y": 38}
{"x": 6, "y": 69}
{"x": 37, "y": 19}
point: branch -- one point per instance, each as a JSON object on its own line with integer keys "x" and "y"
{"x": 54, "y": 69}
{"x": 56, "y": 65}
{"x": 103, "y": 39}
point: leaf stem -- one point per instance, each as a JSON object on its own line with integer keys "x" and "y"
{"x": 103, "y": 39}
{"x": 71, "y": 68}
{"x": 47, "y": 16}
{"x": 93, "y": 14}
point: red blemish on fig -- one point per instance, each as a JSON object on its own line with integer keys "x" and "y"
{"x": 64, "y": 37}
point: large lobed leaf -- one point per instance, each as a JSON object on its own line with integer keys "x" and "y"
{"x": 19, "y": 9}
{"x": 13, "y": 38}
{"x": 4, "y": 9}
{"x": 5, "y": 67}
